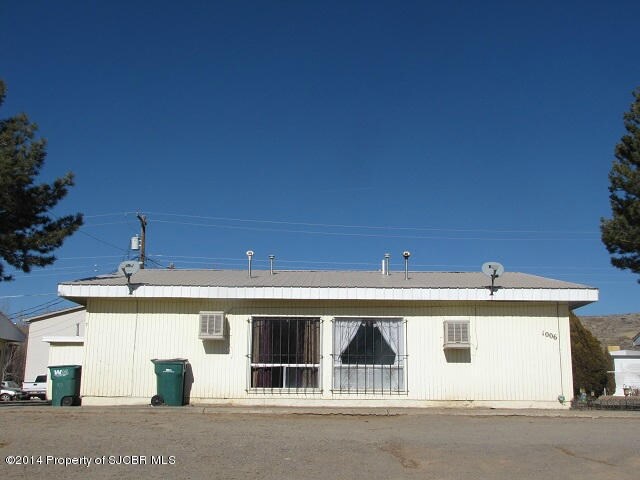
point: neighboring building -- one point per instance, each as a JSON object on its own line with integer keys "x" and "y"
{"x": 63, "y": 329}
{"x": 636, "y": 340}
{"x": 10, "y": 335}
{"x": 627, "y": 369}
{"x": 331, "y": 338}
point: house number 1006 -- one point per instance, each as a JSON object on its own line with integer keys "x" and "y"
{"x": 550, "y": 335}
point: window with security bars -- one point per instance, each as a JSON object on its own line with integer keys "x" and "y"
{"x": 456, "y": 334}
{"x": 369, "y": 355}
{"x": 285, "y": 353}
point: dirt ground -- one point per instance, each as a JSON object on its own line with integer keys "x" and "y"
{"x": 196, "y": 443}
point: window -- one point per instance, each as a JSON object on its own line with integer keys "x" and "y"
{"x": 369, "y": 355}
{"x": 285, "y": 353}
{"x": 456, "y": 334}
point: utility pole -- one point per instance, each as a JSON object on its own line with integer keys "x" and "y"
{"x": 143, "y": 227}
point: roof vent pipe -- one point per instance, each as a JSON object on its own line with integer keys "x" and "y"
{"x": 385, "y": 264}
{"x": 250, "y": 256}
{"x": 271, "y": 259}
{"x": 406, "y": 254}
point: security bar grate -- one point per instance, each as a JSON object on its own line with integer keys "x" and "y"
{"x": 285, "y": 354}
{"x": 369, "y": 356}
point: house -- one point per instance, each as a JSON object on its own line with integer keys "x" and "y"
{"x": 627, "y": 369}
{"x": 10, "y": 335}
{"x": 55, "y": 338}
{"x": 331, "y": 338}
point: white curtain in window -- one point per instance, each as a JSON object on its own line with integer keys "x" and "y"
{"x": 368, "y": 377}
{"x": 390, "y": 330}
{"x": 344, "y": 332}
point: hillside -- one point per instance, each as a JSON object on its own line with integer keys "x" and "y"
{"x": 614, "y": 329}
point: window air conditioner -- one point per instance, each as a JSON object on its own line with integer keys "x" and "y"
{"x": 211, "y": 326}
{"x": 456, "y": 334}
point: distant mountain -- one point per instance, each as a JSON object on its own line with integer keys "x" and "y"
{"x": 614, "y": 329}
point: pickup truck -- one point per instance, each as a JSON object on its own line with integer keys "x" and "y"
{"x": 37, "y": 388}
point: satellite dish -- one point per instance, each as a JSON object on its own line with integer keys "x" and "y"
{"x": 492, "y": 269}
{"x": 129, "y": 267}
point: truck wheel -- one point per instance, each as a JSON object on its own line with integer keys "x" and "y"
{"x": 157, "y": 400}
{"x": 5, "y": 397}
{"x": 66, "y": 401}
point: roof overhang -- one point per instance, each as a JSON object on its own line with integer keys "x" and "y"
{"x": 622, "y": 354}
{"x": 574, "y": 297}
{"x": 63, "y": 339}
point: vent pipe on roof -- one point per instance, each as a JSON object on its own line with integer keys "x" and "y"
{"x": 385, "y": 264}
{"x": 249, "y": 256}
{"x": 406, "y": 254}
{"x": 271, "y": 259}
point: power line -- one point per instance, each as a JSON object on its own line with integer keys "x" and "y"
{"x": 370, "y": 235}
{"x": 45, "y": 305}
{"x": 40, "y": 275}
{"x": 86, "y": 258}
{"x": 27, "y": 295}
{"x": 115, "y": 214}
{"x": 259, "y": 260}
{"x": 329, "y": 262}
{"x": 54, "y": 269}
{"x": 33, "y": 311}
{"x": 153, "y": 261}
{"x": 80, "y": 230}
{"x": 376, "y": 227}
{"x": 106, "y": 223}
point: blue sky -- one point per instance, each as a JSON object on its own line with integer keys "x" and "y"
{"x": 328, "y": 133}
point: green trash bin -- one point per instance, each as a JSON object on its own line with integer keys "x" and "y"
{"x": 65, "y": 381}
{"x": 170, "y": 380}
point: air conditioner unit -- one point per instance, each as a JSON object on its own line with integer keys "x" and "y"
{"x": 456, "y": 334}
{"x": 211, "y": 325}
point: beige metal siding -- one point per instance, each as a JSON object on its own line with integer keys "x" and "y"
{"x": 109, "y": 345}
{"x": 63, "y": 354}
{"x": 511, "y": 359}
{"x": 124, "y": 336}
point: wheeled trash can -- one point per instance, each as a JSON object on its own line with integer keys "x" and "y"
{"x": 65, "y": 380}
{"x": 170, "y": 376}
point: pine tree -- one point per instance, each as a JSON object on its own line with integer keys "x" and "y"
{"x": 28, "y": 231}
{"x": 588, "y": 359}
{"x": 621, "y": 233}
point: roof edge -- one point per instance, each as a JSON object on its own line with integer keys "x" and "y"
{"x": 45, "y": 316}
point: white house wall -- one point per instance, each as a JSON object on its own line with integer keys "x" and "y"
{"x": 38, "y": 351}
{"x": 627, "y": 371}
{"x": 520, "y": 352}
